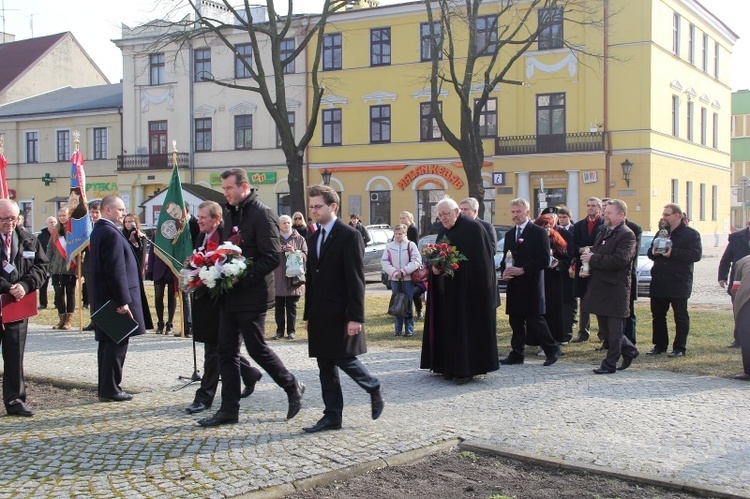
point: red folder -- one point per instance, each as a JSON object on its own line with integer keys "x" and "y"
{"x": 13, "y": 311}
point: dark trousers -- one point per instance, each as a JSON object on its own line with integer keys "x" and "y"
{"x": 43, "y": 292}
{"x": 612, "y": 330}
{"x": 286, "y": 311}
{"x": 330, "y": 384}
{"x": 584, "y": 324}
{"x": 87, "y": 290}
{"x": 210, "y": 380}
{"x": 65, "y": 287}
{"x": 630, "y": 324}
{"x": 659, "y": 309}
{"x": 536, "y": 327}
{"x": 187, "y": 313}
{"x": 249, "y": 326}
{"x": 569, "y": 310}
{"x": 742, "y": 326}
{"x": 159, "y": 287}
{"x": 111, "y": 359}
{"x": 13, "y": 343}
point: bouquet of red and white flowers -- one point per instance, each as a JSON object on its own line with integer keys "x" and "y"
{"x": 443, "y": 256}
{"x": 214, "y": 270}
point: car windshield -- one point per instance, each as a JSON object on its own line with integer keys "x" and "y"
{"x": 646, "y": 241}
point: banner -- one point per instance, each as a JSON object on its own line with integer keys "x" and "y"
{"x": 173, "y": 243}
{"x": 79, "y": 225}
{"x": 4, "y": 193}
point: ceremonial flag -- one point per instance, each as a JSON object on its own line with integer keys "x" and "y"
{"x": 79, "y": 225}
{"x": 173, "y": 243}
{"x": 3, "y": 176}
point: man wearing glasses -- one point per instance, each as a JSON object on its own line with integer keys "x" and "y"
{"x": 672, "y": 282}
{"x": 24, "y": 269}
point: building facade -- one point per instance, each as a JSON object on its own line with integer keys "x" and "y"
{"x": 740, "y": 158}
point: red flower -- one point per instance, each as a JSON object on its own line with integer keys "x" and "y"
{"x": 454, "y": 266}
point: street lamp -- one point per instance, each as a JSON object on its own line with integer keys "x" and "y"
{"x": 627, "y": 167}
{"x": 326, "y": 174}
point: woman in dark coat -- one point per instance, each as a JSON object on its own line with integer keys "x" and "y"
{"x": 298, "y": 224}
{"x": 553, "y": 277}
{"x": 131, "y": 227}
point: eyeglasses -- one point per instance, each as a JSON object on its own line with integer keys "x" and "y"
{"x": 7, "y": 220}
{"x": 667, "y": 214}
{"x": 445, "y": 214}
{"x": 316, "y": 206}
{"x": 298, "y": 218}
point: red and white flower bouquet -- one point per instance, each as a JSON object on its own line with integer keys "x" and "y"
{"x": 443, "y": 256}
{"x": 214, "y": 270}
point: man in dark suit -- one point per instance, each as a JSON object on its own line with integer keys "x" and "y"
{"x": 335, "y": 308}
{"x": 253, "y": 227}
{"x": 524, "y": 303}
{"x": 94, "y": 214}
{"x": 570, "y": 302}
{"x": 608, "y": 291}
{"x": 23, "y": 269}
{"x": 206, "y": 319}
{"x": 44, "y": 238}
{"x": 738, "y": 246}
{"x": 584, "y": 233}
{"x": 470, "y": 208}
{"x": 116, "y": 276}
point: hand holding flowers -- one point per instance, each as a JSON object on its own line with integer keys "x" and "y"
{"x": 443, "y": 256}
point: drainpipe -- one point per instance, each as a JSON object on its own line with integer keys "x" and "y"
{"x": 191, "y": 99}
{"x": 306, "y": 157}
{"x": 605, "y": 117}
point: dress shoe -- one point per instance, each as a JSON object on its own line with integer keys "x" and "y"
{"x": 278, "y": 336}
{"x": 295, "y": 399}
{"x": 196, "y": 407}
{"x": 743, "y": 377}
{"x": 551, "y": 359}
{"x": 90, "y": 327}
{"x": 322, "y": 425}
{"x": 376, "y": 402}
{"x": 250, "y": 387}
{"x": 656, "y": 351}
{"x": 734, "y": 344}
{"x": 20, "y": 409}
{"x": 463, "y": 380}
{"x": 511, "y": 360}
{"x": 219, "y": 419}
{"x": 42, "y": 307}
{"x": 676, "y": 353}
{"x": 627, "y": 360}
{"x": 117, "y": 397}
{"x": 580, "y": 338}
{"x": 604, "y": 370}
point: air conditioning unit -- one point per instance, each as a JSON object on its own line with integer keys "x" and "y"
{"x": 374, "y": 196}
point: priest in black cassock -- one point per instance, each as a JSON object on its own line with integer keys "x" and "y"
{"x": 460, "y": 339}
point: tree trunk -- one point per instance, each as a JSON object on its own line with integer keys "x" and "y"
{"x": 296, "y": 181}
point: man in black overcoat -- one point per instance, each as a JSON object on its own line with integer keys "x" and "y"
{"x": 470, "y": 208}
{"x": 115, "y": 275}
{"x": 738, "y": 247}
{"x": 584, "y": 233}
{"x": 44, "y": 238}
{"x": 524, "y": 296}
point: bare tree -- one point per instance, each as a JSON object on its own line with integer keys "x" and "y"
{"x": 494, "y": 41}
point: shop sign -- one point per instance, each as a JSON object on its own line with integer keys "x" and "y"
{"x": 101, "y": 189}
{"x": 439, "y": 170}
{"x": 589, "y": 177}
{"x": 254, "y": 177}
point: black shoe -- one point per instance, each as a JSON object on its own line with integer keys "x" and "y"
{"x": 117, "y": 397}
{"x": 41, "y": 307}
{"x": 511, "y": 360}
{"x": 219, "y": 419}
{"x": 322, "y": 425}
{"x": 160, "y": 329}
{"x": 601, "y": 348}
{"x": 250, "y": 387}
{"x": 580, "y": 338}
{"x": 196, "y": 407}
{"x": 626, "y": 361}
{"x": 169, "y": 330}
{"x": 20, "y": 409}
{"x": 676, "y": 353}
{"x": 743, "y": 377}
{"x": 295, "y": 399}
{"x": 278, "y": 336}
{"x": 463, "y": 380}
{"x": 656, "y": 351}
{"x": 376, "y": 402}
{"x": 551, "y": 359}
{"x": 396, "y": 334}
{"x": 734, "y": 344}
{"x": 604, "y": 370}
{"x": 90, "y": 327}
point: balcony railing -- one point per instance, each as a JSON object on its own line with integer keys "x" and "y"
{"x": 129, "y": 162}
{"x": 544, "y": 144}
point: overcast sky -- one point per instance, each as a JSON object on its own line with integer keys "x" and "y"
{"x": 55, "y": 16}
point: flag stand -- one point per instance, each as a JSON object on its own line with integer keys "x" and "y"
{"x": 196, "y": 374}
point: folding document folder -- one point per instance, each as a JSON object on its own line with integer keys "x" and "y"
{"x": 117, "y": 326}
{"x": 13, "y": 310}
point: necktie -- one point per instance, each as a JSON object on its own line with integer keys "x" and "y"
{"x": 321, "y": 240}
{"x": 7, "y": 247}
{"x": 518, "y": 234}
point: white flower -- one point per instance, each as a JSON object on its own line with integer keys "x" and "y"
{"x": 234, "y": 268}
{"x": 209, "y": 276}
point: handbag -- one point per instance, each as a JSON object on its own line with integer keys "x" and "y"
{"x": 295, "y": 264}
{"x": 297, "y": 281}
{"x": 419, "y": 275}
{"x": 399, "y": 305}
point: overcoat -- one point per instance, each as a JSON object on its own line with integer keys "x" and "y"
{"x": 738, "y": 247}
{"x": 673, "y": 277}
{"x": 524, "y": 294}
{"x": 205, "y": 313}
{"x": 582, "y": 238}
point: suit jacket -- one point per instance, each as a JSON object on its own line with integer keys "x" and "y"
{"x": 335, "y": 293}
{"x": 608, "y": 290}
{"x": 524, "y": 294}
{"x": 205, "y": 312}
{"x": 582, "y": 238}
{"x": 738, "y": 246}
{"x": 29, "y": 260}
{"x": 673, "y": 277}
{"x": 116, "y": 275}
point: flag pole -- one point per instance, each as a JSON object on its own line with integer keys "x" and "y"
{"x": 178, "y": 297}
{"x": 79, "y": 294}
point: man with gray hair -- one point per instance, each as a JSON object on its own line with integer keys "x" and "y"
{"x": 584, "y": 233}
{"x": 470, "y": 208}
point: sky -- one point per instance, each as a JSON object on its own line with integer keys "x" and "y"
{"x": 27, "y": 18}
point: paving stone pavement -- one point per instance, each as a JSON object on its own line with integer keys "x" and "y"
{"x": 672, "y": 426}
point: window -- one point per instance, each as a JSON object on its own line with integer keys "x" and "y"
{"x": 202, "y": 134}
{"x": 689, "y": 200}
{"x": 332, "y": 127}
{"x": 332, "y": 52}
{"x": 202, "y": 64}
{"x": 32, "y": 147}
{"x": 380, "y": 124}
{"x": 550, "y": 114}
{"x": 690, "y": 107}
{"x": 675, "y": 191}
{"x": 156, "y": 69}
{"x": 702, "y": 201}
{"x": 704, "y": 125}
{"x": 427, "y": 43}
{"x": 716, "y": 131}
{"x": 244, "y": 56}
{"x": 691, "y": 43}
{"x": 100, "y": 143}
{"x": 157, "y": 135}
{"x": 675, "y": 115}
{"x": 284, "y": 203}
{"x": 550, "y": 28}
{"x": 486, "y": 37}
{"x": 714, "y": 202}
{"x": 704, "y": 53}
{"x": 286, "y": 49}
{"x": 488, "y": 118}
{"x": 716, "y": 60}
{"x": 63, "y": 145}
{"x": 243, "y": 132}
{"x": 428, "y": 126}
{"x": 291, "y": 118}
{"x": 676, "y": 34}
{"x": 380, "y": 46}
{"x": 380, "y": 207}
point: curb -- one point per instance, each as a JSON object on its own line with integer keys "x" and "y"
{"x": 678, "y": 485}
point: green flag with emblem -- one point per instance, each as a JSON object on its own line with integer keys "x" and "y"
{"x": 173, "y": 243}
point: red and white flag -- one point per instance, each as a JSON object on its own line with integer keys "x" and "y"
{"x": 4, "y": 194}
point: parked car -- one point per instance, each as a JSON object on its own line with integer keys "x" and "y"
{"x": 644, "y": 264}
{"x": 380, "y": 236}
